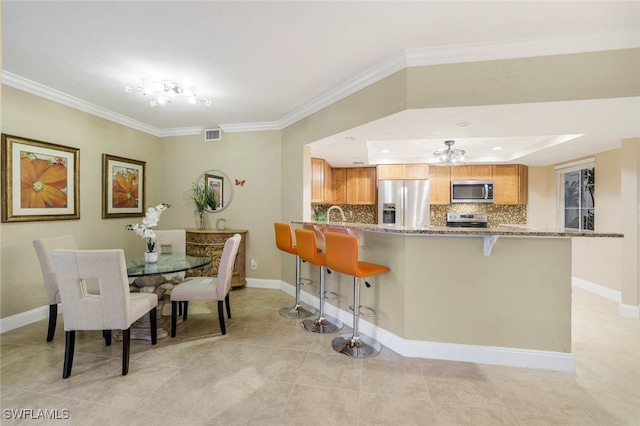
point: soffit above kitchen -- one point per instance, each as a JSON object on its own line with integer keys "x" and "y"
{"x": 266, "y": 64}
{"x": 534, "y": 134}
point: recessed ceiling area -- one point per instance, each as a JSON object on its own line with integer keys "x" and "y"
{"x": 536, "y": 134}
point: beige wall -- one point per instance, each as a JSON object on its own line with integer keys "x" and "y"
{"x": 552, "y": 78}
{"x": 596, "y": 260}
{"x": 253, "y": 157}
{"x": 29, "y": 116}
{"x": 599, "y": 260}
{"x": 172, "y": 165}
{"x": 270, "y": 162}
{"x": 630, "y": 218}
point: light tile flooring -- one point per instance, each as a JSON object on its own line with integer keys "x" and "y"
{"x": 268, "y": 371}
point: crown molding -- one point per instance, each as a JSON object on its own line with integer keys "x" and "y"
{"x": 251, "y": 127}
{"x": 576, "y": 43}
{"x": 180, "y": 131}
{"x": 389, "y": 66}
{"x": 386, "y": 68}
{"x": 45, "y": 92}
{"x": 523, "y": 48}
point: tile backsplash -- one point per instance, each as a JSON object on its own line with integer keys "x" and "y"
{"x": 354, "y": 213}
{"x": 496, "y": 214}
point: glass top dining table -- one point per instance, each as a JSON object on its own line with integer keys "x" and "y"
{"x": 166, "y": 264}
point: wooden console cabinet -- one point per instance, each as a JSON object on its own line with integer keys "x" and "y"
{"x": 210, "y": 242}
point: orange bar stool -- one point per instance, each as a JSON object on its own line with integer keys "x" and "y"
{"x": 307, "y": 247}
{"x": 342, "y": 256}
{"x": 284, "y": 241}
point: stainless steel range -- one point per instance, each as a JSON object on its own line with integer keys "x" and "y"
{"x": 467, "y": 220}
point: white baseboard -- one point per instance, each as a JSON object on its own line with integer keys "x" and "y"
{"x": 25, "y": 318}
{"x": 606, "y": 292}
{"x": 527, "y": 358}
{"x": 409, "y": 348}
{"x": 262, "y": 283}
{"x": 629, "y": 311}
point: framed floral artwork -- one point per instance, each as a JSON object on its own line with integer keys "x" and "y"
{"x": 40, "y": 180}
{"x": 123, "y": 187}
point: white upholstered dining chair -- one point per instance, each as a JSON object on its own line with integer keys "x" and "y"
{"x": 43, "y": 247}
{"x": 172, "y": 241}
{"x": 113, "y": 309}
{"x": 214, "y": 288}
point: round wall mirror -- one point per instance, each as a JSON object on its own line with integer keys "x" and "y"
{"x": 221, "y": 187}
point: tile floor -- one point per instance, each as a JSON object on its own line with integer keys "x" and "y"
{"x": 268, "y": 371}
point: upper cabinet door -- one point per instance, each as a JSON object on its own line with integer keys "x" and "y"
{"x": 416, "y": 171}
{"x": 361, "y": 185}
{"x": 339, "y": 186}
{"x": 440, "y": 185}
{"x": 476, "y": 172}
{"x": 390, "y": 172}
{"x": 320, "y": 181}
{"x": 510, "y": 184}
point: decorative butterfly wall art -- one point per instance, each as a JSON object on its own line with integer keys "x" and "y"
{"x": 240, "y": 182}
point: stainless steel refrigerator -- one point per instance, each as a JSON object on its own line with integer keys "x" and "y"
{"x": 403, "y": 203}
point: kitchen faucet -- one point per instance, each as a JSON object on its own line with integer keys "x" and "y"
{"x": 344, "y": 219}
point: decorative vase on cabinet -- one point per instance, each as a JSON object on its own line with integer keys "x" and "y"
{"x": 201, "y": 220}
{"x": 210, "y": 243}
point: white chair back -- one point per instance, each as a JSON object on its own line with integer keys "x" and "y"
{"x": 175, "y": 238}
{"x": 225, "y": 269}
{"x": 108, "y": 310}
{"x": 43, "y": 247}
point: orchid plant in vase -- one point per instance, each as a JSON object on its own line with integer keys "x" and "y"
{"x": 151, "y": 219}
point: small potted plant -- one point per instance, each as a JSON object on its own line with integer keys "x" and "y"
{"x": 203, "y": 197}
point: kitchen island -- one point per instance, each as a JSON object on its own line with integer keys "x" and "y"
{"x": 494, "y": 295}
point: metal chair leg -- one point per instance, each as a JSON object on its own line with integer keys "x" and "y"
{"x": 355, "y": 345}
{"x": 297, "y": 311}
{"x": 322, "y": 324}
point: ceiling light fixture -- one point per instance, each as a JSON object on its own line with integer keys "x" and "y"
{"x": 449, "y": 156}
{"x": 163, "y": 91}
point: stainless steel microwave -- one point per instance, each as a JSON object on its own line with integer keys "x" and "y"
{"x": 472, "y": 191}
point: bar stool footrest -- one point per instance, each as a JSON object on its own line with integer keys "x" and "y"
{"x": 330, "y": 295}
{"x": 306, "y": 281}
{"x": 369, "y": 312}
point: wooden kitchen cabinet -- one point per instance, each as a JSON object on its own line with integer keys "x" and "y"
{"x": 339, "y": 186}
{"x": 403, "y": 171}
{"x": 321, "y": 183}
{"x": 510, "y": 184}
{"x": 361, "y": 185}
{"x": 475, "y": 172}
{"x": 440, "y": 185}
{"x": 210, "y": 243}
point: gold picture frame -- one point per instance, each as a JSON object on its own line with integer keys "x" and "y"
{"x": 40, "y": 180}
{"x": 123, "y": 187}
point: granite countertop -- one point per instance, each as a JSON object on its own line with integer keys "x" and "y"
{"x": 503, "y": 230}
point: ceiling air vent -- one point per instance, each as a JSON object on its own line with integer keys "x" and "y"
{"x": 212, "y": 134}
